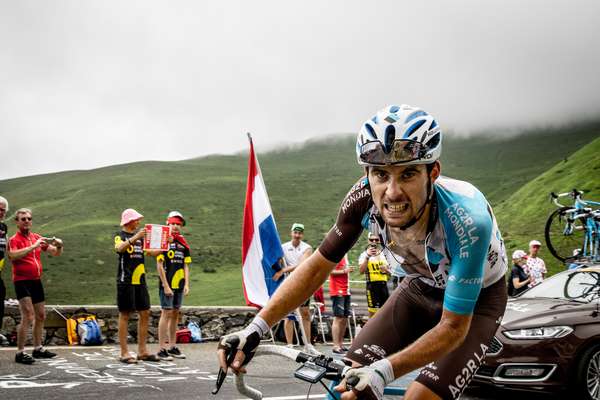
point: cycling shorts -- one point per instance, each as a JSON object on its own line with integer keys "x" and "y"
{"x": 132, "y": 297}
{"x": 412, "y": 310}
{"x": 377, "y": 295}
{"x": 30, "y": 288}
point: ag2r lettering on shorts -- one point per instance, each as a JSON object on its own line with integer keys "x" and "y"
{"x": 413, "y": 309}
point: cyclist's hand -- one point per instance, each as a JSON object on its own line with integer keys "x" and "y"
{"x": 243, "y": 344}
{"x": 367, "y": 382}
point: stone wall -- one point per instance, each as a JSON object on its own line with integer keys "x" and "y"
{"x": 214, "y": 322}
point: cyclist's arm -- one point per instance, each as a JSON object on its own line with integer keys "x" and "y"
{"x": 298, "y": 287}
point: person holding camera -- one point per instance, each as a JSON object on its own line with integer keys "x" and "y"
{"x": 374, "y": 265}
{"x": 24, "y": 250}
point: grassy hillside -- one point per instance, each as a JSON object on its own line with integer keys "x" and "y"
{"x": 305, "y": 184}
{"x": 523, "y": 215}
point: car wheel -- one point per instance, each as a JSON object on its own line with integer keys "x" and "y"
{"x": 587, "y": 378}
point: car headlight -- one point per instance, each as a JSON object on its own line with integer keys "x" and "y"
{"x": 547, "y": 332}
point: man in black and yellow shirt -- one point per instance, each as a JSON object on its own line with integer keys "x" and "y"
{"x": 132, "y": 293}
{"x": 374, "y": 265}
{"x": 3, "y": 231}
{"x": 173, "y": 270}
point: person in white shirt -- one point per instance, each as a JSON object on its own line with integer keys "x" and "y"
{"x": 294, "y": 252}
{"x": 535, "y": 268}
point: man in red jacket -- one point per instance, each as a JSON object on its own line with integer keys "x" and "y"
{"x": 24, "y": 249}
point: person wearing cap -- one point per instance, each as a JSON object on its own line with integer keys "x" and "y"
{"x": 536, "y": 267}
{"x": 24, "y": 250}
{"x": 173, "y": 268}
{"x": 518, "y": 281}
{"x": 294, "y": 252}
{"x": 3, "y": 242}
{"x": 132, "y": 292}
{"x": 374, "y": 265}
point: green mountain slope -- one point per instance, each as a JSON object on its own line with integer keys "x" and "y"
{"x": 523, "y": 215}
{"x": 305, "y": 184}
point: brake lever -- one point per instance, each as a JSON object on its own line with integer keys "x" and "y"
{"x": 233, "y": 342}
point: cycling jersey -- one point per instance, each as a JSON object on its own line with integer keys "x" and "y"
{"x": 3, "y": 230}
{"x": 464, "y": 250}
{"x": 373, "y": 273}
{"x": 174, "y": 260}
{"x": 131, "y": 268}
{"x": 28, "y": 267}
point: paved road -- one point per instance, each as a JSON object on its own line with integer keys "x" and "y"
{"x": 94, "y": 372}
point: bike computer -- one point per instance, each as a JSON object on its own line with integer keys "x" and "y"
{"x": 310, "y": 372}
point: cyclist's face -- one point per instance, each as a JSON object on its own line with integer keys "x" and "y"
{"x": 399, "y": 192}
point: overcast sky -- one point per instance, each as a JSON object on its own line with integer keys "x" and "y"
{"x": 92, "y": 83}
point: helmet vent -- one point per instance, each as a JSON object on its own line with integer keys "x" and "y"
{"x": 390, "y": 136}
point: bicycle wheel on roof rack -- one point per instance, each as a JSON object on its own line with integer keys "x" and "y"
{"x": 561, "y": 238}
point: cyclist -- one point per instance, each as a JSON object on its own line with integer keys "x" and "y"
{"x": 443, "y": 233}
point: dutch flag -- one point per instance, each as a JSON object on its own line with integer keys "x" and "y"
{"x": 261, "y": 248}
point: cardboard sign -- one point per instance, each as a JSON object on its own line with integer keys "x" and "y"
{"x": 157, "y": 237}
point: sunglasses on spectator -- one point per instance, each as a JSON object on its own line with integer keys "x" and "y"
{"x": 374, "y": 240}
{"x": 23, "y": 219}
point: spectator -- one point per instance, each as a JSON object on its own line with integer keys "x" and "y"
{"x": 174, "y": 272}
{"x": 519, "y": 279}
{"x": 294, "y": 252}
{"x": 535, "y": 268}
{"x": 340, "y": 298}
{"x": 3, "y": 231}
{"x": 132, "y": 292}
{"x": 374, "y": 265}
{"x": 24, "y": 249}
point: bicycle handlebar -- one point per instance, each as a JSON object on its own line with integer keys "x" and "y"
{"x": 575, "y": 194}
{"x": 335, "y": 368}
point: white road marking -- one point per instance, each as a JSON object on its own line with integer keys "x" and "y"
{"x": 300, "y": 397}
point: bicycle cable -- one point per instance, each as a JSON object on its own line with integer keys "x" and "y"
{"x": 333, "y": 396}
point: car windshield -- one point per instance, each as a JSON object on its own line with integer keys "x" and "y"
{"x": 582, "y": 285}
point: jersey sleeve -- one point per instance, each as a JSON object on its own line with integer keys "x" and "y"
{"x": 118, "y": 240}
{"x": 14, "y": 244}
{"x": 349, "y": 224}
{"x": 468, "y": 225}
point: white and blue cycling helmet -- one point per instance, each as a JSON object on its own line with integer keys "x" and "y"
{"x": 399, "y": 135}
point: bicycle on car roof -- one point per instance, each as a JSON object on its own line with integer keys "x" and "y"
{"x": 572, "y": 232}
